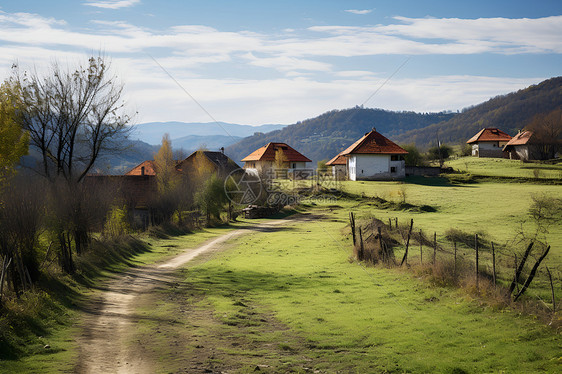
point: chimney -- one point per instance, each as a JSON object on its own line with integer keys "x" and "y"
{"x": 222, "y": 150}
{"x": 142, "y": 170}
{"x": 374, "y": 129}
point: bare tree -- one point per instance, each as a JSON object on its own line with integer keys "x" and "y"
{"x": 72, "y": 116}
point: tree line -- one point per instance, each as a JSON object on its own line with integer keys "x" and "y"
{"x": 70, "y": 118}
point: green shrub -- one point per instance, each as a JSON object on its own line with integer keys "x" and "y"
{"x": 117, "y": 223}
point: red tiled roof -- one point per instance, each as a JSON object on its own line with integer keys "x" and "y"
{"x": 489, "y": 134}
{"x": 149, "y": 168}
{"x": 338, "y": 160}
{"x": 521, "y": 139}
{"x": 267, "y": 153}
{"x": 374, "y": 143}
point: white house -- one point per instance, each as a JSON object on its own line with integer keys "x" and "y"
{"x": 374, "y": 157}
{"x": 489, "y": 142}
{"x": 274, "y": 155}
{"x": 339, "y": 166}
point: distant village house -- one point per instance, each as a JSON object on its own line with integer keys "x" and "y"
{"x": 525, "y": 146}
{"x": 275, "y": 155}
{"x": 373, "y": 157}
{"x": 489, "y": 142}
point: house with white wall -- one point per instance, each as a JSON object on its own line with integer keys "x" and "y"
{"x": 489, "y": 142}
{"x": 374, "y": 157}
{"x": 339, "y": 166}
{"x": 275, "y": 155}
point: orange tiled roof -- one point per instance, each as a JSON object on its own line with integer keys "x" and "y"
{"x": 149, "y": 168}
{"x": 489, "y": 134}
{"x": 521, "y": 139}
{"x": 374, "y": 143}
{"x": 338, "y": 160}
{"x": 267, "y": 153}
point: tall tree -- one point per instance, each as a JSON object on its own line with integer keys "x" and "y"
{"x": 14, "y": 141}
{"x": 165, "y": 166}
{"x": 72, "y": 116}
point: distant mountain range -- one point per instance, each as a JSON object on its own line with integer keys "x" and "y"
{"x": 190, "y": 135}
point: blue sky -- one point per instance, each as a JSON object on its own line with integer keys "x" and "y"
{"x": 256, "y": 62}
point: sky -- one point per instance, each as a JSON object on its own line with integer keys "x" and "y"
{"x": 270, "y": 62}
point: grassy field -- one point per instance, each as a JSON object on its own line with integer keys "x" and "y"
{"x": 53, "y": 318}
{"x": 499, "y": 167}
{"x": 293, "y": 301}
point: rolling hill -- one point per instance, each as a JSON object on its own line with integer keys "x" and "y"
{"x": 509, "y": 113}
{"x": 326, "y": 135}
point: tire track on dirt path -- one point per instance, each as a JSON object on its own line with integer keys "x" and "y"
{"x": 103, "y": 343}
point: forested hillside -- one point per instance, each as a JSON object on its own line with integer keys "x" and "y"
{"x": 509, "y": 113}
{"x": 326, "y": 135}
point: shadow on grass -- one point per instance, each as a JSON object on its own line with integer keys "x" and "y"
{"x": 218, "y": 281}
{"x": 438, "y": 181}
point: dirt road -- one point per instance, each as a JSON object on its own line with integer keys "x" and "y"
{"x": 110, "y": 321}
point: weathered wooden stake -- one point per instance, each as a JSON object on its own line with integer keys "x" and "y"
{"x": 361, "y": 248}
{"x": 476, "y": 248}
{"x": 532, "y": 274}
{"x": 520, "y": 267}
{"x": 396, "y": 222}
{"x": 390, "y": 223}
{"x": 352, "y": 224}
{"x": 434, "y": 247}
{"x": 421, "y": 248}
{"x": 493, "y": 264}
{"x": 405, "y": 258}
{"x": 383, "y": 252}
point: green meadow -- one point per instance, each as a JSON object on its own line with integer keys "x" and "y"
{"x": 341, "y": 316}
{"x": 499, "y": 167}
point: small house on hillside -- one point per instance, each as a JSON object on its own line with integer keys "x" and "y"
{"x": 374, "y": 157}
{"x": 202, "y": 162}
{"x": 525, "y": 146}
{"x": 489, "y": 142}
{"x": 198, "y": 162}
{"x": 275, "y": 155}
{"x": 339, "y": 166}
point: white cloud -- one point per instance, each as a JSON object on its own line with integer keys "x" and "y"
{"x": 356, "y": 11}
{"x": 111, "y": 4}
{"x": 298, "y": 76}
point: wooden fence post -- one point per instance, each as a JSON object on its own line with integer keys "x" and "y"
{"x": 520, "y": 268}
{"x": 396, "y": 222}
{"x": 532, "y": 274}
{"x": 493, "y": 264}
{"x": 352, "y": 224}
{"x": 434, "y": 246}
{"x": 361, "y": 248}
{"x": 421, "y": 248}
{"x": 405, "y": 258}
{"x": 390, "y": 223}
{"x": 383, "y": 252}
{"x": 476, "y": 248}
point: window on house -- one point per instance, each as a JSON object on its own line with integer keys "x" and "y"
{"x": 393, "y": 169}
{"x": 394, "y": 158}
{"x": 294, "y": 165}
